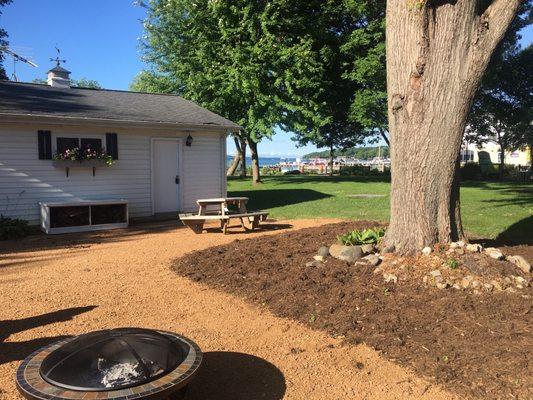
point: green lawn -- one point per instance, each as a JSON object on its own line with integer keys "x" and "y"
{"x": 489, "y": 209}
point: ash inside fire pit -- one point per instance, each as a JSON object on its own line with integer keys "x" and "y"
{"x": 113, "y": 364}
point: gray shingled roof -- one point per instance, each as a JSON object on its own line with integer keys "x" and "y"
{"x": 81, "y": 103}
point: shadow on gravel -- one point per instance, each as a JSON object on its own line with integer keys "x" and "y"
{"x": 16, "y": 351}
{"x": 228, "y": 375}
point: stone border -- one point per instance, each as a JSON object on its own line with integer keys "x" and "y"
{"x": 32, "y": 386}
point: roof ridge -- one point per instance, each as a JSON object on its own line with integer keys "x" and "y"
{"x": 99, "y": 89}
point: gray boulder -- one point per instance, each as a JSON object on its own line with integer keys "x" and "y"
{"x": 521, "y": 263}
{"x": 323, "y": 251}
{"x": 345, "y": 253}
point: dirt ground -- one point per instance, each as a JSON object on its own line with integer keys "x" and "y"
{"x": 477, "y": 346}
{"x": 55, "y": 286}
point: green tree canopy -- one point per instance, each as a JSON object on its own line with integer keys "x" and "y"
{"x": 82, "y": 82}
{"x": 245, "y": 61}
{"x": 3, "y": 42}
{"x": 503, "y": 108}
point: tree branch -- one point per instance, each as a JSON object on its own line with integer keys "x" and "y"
{"x": 384, "y": 136}
{"x": 494, "y": 22}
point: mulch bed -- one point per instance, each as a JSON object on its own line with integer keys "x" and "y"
{"x": 474, "y": 345}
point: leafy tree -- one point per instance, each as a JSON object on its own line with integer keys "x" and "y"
{"x": 437, "y": 54}
{"x": 3, "y": 41}
{"x": 330, "y": 26}
{"x": 242, "y": 61}
{"x": 363, "y": 153}
{"x": 82, "y": 82}
{"x": 503, "y": 108}
{"x": 366, "y": 46}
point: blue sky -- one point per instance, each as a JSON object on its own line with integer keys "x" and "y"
{"x": 100, "y": 41}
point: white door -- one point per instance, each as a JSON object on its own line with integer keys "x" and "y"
{"x": 165, "y": 162}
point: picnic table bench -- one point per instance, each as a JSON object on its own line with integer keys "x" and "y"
{"x": 220, "y": 212}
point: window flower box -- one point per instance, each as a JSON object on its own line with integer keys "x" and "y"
{"x": 79, "y": 163}
{"x": 82, "y": 158}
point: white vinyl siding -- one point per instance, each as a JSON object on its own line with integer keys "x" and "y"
{"x": 25, "y": 180}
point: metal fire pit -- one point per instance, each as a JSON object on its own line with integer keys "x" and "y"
{"x": 124, "y": 363}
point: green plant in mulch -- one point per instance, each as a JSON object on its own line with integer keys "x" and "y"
{"x": 366, "y": 236}
{"x": 452, "y": 263}
{"x": 13, "y": 228}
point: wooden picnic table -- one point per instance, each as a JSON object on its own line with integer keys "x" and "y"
{"x": 222, "y": 204}
{"x": 249, "y": 220}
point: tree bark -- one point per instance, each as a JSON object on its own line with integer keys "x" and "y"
{"x": 237, "y": 157}
{"x": 256, "y": 177}
{"x": 331, "y": 154}
{"x": 242, "y": 141}
{"x": 437, "y": 52}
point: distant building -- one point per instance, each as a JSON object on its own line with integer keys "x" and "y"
{"x": 470, "y": 152}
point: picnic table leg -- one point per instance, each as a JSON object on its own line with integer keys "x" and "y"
{"x": 255, "y": 222}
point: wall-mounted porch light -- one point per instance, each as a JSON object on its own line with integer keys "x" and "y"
{"x": 188, "y": 141}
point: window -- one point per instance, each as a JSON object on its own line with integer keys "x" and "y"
{"x": 93, "y": 144}
{"x": 66, "y": 143}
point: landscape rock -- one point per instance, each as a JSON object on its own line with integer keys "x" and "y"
{"x": 313, "y": 264}
{"x": 465, "y": 283}
{"x": 388, "y": 249}
{"x": 521, "y": 263}
{"x": 488, "y": 287}
{"x": 372, "y": 259}
{"x": 443, "y": 285}
{"x": 426, "y": 251}
{"x": 435, "y": 273}
{"x": 461, "y": 243}
{"x": 318, "y": 258}
{"x": 345, "y": 253}
{"x": 474, "y": 248}
{"x": 367, "y": 248}
{"x": 453, "y": 245}
{"x": 460, "y": 251}
{"x": 493, "y": 252}
{"x": 323, "y": 251}
{"x": 390, "y": 278}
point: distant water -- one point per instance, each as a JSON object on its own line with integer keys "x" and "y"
{"x": 263, "y": 161}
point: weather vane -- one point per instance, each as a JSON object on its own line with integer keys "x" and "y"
{"x": 57, "y": 59}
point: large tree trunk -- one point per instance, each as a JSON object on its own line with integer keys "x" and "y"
{"x": 437, "y": 52}
{"x": 242, "y": 141}
{"x": 256, "y": 177}
{"x": 237, "y": 157}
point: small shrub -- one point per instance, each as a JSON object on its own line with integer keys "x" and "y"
{"x": 13, "y": 228}
{"x": 367, "y": 236}
{"x": 452, "y": 263}
{"x": 471, "y": 171}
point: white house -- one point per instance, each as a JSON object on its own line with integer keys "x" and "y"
{"x": 167, "y": 151}
{"x": 470, "y": 153}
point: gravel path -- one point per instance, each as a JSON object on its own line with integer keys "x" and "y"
{"x": 56, "y": 286}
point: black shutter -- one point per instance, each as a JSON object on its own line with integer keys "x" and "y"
{"x": 44, "y": 139}
{"x": 111, "y": 145}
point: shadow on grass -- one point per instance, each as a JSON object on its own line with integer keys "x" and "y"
{"x": 16, "y": 351}
{"x": 273, "y": 198}
{"x": 236, "y": 376}
{"x": 295, "y": 179}
{"x": 519, "y": 233}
